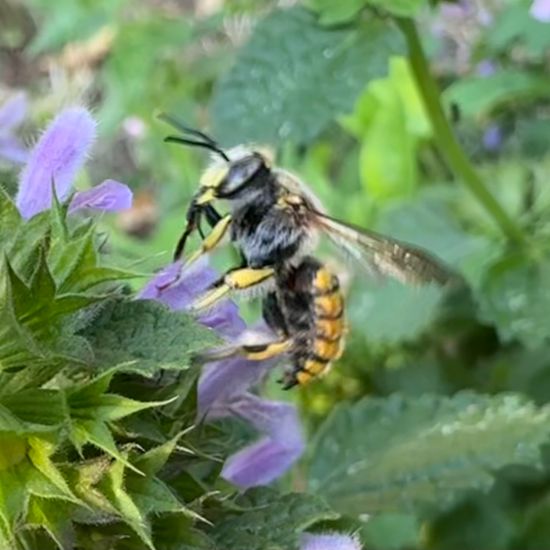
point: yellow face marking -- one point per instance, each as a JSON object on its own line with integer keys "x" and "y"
{"x": 326, "y": 350}
{"x": 330, "y": 305}
{"x": 303, "y": 377}
{"x": 314, "y": 367}
{"x": 207, "y": 196}
{"x": 271, "y": 350}
{"x": 247, "y": 277}
{"x": 212, "y": 177}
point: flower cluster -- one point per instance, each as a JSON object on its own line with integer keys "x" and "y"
{"x": 225, "y": 386}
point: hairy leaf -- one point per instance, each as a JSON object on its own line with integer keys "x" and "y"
{"x": 144, "y": 336}
{"x": 294, "y": 76}
{"x": 270, "y": 521}
{"x": 414, "y": 454}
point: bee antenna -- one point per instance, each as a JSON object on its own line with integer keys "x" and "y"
{"x": 174, "y": 122}
{"x": 193, "y": 143}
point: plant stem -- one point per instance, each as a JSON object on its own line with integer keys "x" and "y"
{"x": 445, "y": 138}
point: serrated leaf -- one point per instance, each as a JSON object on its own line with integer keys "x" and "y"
{"x": 39, "y": 453}
{"x": 270, "y": 521}
{"x": 145, "y": 336}
{"x": 38, "y": 406}
{"x": 413, "y": 454}
{"x": 113, "y": 487}
{"x": 294, "y": 76}
{"x": 54, "y": 518}
{"x": 98, "y": 434}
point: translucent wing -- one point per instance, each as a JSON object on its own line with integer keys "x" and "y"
{"x": 406, "y": 263}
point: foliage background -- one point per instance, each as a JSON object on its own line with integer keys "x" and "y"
{"x": 431, "y": 432}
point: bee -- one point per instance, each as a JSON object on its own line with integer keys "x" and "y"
{"x": 274, "y": 220}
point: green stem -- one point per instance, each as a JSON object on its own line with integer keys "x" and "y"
{"x": 445, "y": 138}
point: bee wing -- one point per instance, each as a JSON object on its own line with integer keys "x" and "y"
{"x": 374, "y": 252}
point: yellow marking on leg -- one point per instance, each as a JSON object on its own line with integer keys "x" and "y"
{"x": 247, "y": 277}
{"x": 211, "y": 240}
{"x": 239, "y": 279}
{"x": 269, "y": 351}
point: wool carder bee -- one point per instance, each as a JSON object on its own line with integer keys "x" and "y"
{"x": 273, "y": 219}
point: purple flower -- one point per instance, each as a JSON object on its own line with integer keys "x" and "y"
{"x": 12, "y": 114}
{"x": 59, "y": 154}
{"x": 540, "y": 9}
{"x": 329, "y": 541}
{"x": 492, "y": 138}
{"x": 224, "y": 385}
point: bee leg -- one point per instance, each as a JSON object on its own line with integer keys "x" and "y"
{"x": 238, "y": 279}
{"x": 252, "y": 352}
{"x": 211, "y": 240}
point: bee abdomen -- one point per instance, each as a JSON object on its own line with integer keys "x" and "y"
{"x": 326, "y": 339}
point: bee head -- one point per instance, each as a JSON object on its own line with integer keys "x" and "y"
{"x": 231, "y": 172}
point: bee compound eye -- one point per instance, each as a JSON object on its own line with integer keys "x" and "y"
{"x": 240, "y": 174}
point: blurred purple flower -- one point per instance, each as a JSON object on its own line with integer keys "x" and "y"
{"x": 56, "y": 158}
{"x": 223, "y": 385}
{"x": 486, "y": 67}
{"x": 492, "y": 138}
{"x": 540, "y": 9}
{"x": 329, "y": 541}
{"x": 12, "y": 114}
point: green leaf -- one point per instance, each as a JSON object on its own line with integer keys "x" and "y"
{"x": 10, "y": 219}
{"x": 415, "y": 454}
{"x": 515, "y": 296}
{"x": 400, "y": 8}
{"x": 37, "y": 406}
{"x": 113, "y": 487}
{"x": 54, "y": 518}
{"x": 392, "y": 532}
{"x": 332, "y": 13}
{"x": 514, "y": 24}
{"x": 270, "y": 521}
{"x": 478, "y": 96}
{"x": 294, "y": 76}
{"x": 145, "y": 336}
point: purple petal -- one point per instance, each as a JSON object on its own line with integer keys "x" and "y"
{"x": 271, "y": 456}
{"x": 13, "y": 112}
{"x": 540, "y": 9}
{"x": 492, "y": 138}
{"x": 329, "y": 541}
{"x": 222, "y": 381}
{"x": 486, "y": 68}
{"x": 12, "y": 150}
{"x": 57, "y": 157}
{"x": 178, "y": 286}
{"x": 108, "y": 196}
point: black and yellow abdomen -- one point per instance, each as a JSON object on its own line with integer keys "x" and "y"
{"x": 308, "y": 309}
